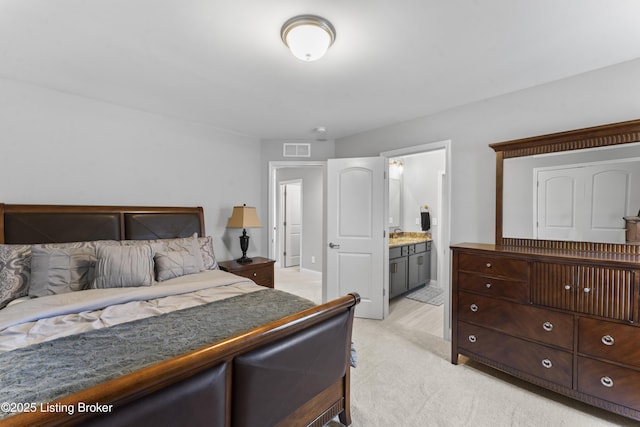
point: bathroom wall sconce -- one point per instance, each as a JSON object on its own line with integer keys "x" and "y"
{"x": 396, "y": 167}
{"x": 308, "y": 36}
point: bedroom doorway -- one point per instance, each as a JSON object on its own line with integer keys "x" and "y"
{"x": 311, "y": 175}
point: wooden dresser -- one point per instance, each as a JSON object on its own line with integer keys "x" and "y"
{"x": 562, "y": 319}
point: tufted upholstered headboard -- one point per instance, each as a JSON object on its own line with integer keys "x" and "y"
{"x": 29, "y": 224}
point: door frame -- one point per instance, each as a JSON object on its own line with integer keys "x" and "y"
{"x": 444, "y": 275}
{"x": 273, "y": 205}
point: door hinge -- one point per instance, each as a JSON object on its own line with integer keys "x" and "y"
{"x": 384, "y": 233}
{"x": 384, "y": 292}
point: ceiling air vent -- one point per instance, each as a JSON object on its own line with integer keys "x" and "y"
{"x": 296, "y": 150}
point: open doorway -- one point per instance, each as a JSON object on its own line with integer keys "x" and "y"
{"x": 310, "y": 176}
{"x": 426, "y": 172}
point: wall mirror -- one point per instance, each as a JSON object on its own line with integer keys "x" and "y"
{"x": 569, "y": 189}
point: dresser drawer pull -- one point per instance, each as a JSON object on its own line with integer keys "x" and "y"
{"x": 547, "y": 326}
{"x": 606, "y": 381}
{"x": 488, "y": 285}
{"x": 587, "y": 290}
{"x": 255, "y": 274}
{"x": 567, "y": 287}
{"x": 488, "y": 265}
{"x": 607, "y": 340}
{"x": 546, "y": 363}
{"x": 472, "y": 338}
{"x": 473, "y": 307}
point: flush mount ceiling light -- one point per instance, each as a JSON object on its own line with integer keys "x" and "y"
{"x": 308, "y": 36}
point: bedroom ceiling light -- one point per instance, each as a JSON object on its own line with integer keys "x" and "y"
{"x": 244, "y": 217}
{"x": 308, "y": 36}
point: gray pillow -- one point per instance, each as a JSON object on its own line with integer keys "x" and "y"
{"x": 190, "y": 244}
{"x": 123, "y": 266}
{"x": 60, "y": 270}
{"x": 86, "y": 244}
{"x": 15, "y": 269}
{"x": 172, "y": 264}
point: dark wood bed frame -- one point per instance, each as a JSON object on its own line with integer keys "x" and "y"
{"x": 291, "y": 372}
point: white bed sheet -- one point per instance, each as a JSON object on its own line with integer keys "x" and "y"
{"x": 46, "y": 318}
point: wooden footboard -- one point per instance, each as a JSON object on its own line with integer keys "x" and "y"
{"x": 294, "y": 371}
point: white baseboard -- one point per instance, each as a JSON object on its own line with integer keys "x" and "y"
{"x": 306, "y": 270}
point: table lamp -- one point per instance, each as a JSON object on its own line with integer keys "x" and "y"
{"x": 244, "y": 217}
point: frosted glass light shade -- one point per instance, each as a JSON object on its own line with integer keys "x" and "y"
{"x": 307, "y": 36}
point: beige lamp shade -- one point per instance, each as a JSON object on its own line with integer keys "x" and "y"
{"x": 244, "y": 217}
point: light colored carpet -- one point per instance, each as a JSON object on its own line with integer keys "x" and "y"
{"x": 405, "y": 378}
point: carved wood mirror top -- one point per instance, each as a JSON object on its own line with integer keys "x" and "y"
{"x": 611, "y": 135}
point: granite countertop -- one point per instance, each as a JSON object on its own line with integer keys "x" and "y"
{"x": 408, "y": 238}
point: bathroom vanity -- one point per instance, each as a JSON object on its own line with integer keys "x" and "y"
{"x": 409, "y": 262}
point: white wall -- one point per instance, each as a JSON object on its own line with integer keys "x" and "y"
{"x": 603, "y": 96}
{"x": 420, "y": 187}
{"x": 63, "y": 149}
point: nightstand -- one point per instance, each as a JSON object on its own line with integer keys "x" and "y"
{"x": 260, "y": 270}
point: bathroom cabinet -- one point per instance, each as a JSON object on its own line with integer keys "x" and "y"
{"x": 409, "y": 267}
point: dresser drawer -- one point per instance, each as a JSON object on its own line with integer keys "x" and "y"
{"x": 502, "y": 288}
{"x": 609, "y": 382}
{"x": 541, "y": 361}
{"x": 494, "y": 266}
{"x": 549, "y": 327}
{"x": 608, "y": 340}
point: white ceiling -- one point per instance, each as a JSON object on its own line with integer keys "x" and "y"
{"x": 223, "y": 63}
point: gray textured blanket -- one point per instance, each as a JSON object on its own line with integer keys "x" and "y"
{"x": 46, "y": 371}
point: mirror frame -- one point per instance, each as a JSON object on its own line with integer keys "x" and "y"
{"x": 591, "y": 137}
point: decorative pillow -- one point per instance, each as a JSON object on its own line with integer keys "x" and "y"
{"x": 123, "y": 266}
{"x": 15, "y": 269}
{"x": 208, "y": 256}
{"x": 190, "y": 244}
{"x": 172, "y": 264}
{"x": 75, "y": 245}
{"x": 58, "y": 270}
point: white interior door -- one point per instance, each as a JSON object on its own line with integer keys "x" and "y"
{"x": 292, "y": 224}
{"x": 558, "y": 192}
{"x": 587, "y": 202}
{"x": 357, "y": 253}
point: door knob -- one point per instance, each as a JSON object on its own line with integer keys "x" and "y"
{"x": 334, "y": 246}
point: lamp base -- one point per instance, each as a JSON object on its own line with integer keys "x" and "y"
{"x": 244, "y": 245}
